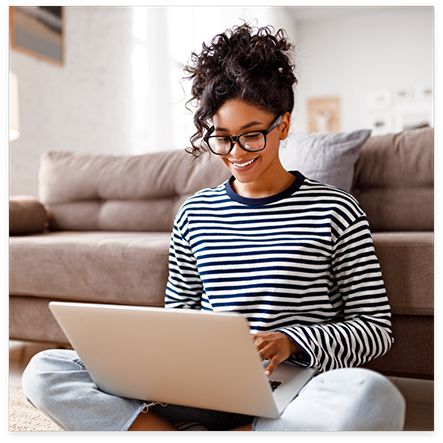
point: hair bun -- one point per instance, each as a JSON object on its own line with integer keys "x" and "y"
{"x": 251, "y": 64}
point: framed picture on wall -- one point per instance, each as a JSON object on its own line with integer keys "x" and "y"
{"x": 415, "y": 116}
{"x": 324, "y": 114}
{"x": 381, "y": 124}
{"x": 38, "y": 31}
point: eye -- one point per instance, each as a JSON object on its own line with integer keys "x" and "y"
{"x": 223, "y": 139}
{"x": 252, "y": 136}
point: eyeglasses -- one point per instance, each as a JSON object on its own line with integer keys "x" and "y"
{"x": 249, "y": 141}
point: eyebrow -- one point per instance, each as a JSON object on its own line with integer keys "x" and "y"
{"x": 247, "y": 126}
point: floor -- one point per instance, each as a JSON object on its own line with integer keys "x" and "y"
{"x": 419, "y": 394}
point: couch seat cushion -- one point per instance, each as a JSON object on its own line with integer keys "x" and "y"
{"x": 104, "y": 267}
{"x": 407, "y": 264}
{"x": 132, "y": 267}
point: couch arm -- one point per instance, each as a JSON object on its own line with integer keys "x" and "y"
{"x": 27, "y": 215}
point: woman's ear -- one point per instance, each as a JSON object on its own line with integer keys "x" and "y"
{"x": 285, "y": 125}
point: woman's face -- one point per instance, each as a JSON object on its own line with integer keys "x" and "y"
{"x": 254, "y": 168}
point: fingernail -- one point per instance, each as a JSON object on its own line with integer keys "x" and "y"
{"x": 267, "y": 373}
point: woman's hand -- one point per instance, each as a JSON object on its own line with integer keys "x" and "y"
{"x": 275, "y": 346}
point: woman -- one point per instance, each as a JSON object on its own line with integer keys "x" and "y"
{"x": 293, "y": 255}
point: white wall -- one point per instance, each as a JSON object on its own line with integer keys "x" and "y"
{"x": 113, "y": 94}
{"x": 362, "y": 50}
{"x": 88, "y": 104}
{"x": 85, "y": 105}
{"x": 171, "y": 36}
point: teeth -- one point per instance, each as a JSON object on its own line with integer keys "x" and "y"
{"x": 242, "y": 165}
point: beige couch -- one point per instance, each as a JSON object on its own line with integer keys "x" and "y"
{"x": 100, "y": 233}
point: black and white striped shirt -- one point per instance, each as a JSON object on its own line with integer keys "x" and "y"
{"x": 301, "y": 262}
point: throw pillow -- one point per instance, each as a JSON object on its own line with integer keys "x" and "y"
{"x": 27, "y": 215}
{"x": 328, "y": 157}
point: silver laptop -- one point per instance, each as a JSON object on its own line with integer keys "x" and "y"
{"x": 178, "y": 356}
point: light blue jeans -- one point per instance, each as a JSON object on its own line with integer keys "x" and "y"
{"x": 57, "y": 383}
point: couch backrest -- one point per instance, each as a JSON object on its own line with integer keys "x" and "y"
{"x": 394, "y": 181}
{"x": 90, "y": 192}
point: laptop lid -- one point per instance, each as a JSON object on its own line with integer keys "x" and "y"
{"x": 186, "y": 357}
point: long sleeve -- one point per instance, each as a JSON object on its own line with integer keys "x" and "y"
{"x": 363, "y": 331}
{"x": 301, "y": 262}
{"x": 184, "y": 288}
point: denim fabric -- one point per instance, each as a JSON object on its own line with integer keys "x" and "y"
{"x": 342, "y": 400}
{"x": 57, "y": 383}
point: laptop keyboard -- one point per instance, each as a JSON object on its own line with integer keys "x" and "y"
{"x": 274, "y": 384}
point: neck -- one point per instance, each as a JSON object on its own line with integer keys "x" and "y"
{"x": 275, "y": 183}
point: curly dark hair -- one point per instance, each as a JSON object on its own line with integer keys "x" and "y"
{"x": 250, "y": 64}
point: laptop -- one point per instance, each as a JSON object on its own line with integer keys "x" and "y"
{"x": 178, "y": 356}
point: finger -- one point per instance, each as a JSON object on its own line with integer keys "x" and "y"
{"x": 263, "y": 348}
{"x": 268, "y": 352}
{"x": 259, "y": 339}
{"x": 274, "y": 361}
{"x": 264, "y": 354}
{"x": 270, "y": 367}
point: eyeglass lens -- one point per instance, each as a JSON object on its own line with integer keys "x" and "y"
{"x": 251, "y": 141}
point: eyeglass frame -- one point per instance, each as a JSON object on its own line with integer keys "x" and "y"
{"x": 236, "y": 138}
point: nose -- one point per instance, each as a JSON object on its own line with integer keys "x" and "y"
{"x": 237, "y": 150}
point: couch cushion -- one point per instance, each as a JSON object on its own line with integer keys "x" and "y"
{"x": 103, "y": 267}
{"x": 407, "y": 264}
{"x": 27, "y": 215}
{"x": 132, "y": 268}
{"x": 328, "y": 157}
{"x": 394, "y": 181}
{"x": 92, "y": 192}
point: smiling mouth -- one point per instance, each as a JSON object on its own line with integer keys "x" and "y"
{"x": 243, "y": 165}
